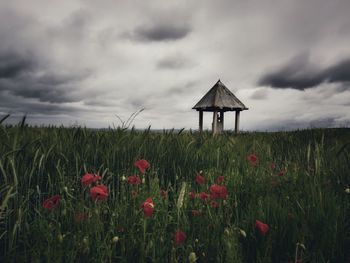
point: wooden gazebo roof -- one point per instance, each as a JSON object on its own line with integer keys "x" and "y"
{"x": 219, "y": 97}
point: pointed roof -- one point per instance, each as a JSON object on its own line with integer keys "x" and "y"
{"x": 219, "y": 97}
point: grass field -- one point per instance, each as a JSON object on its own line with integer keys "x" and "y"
{"x": 296, "y": 184}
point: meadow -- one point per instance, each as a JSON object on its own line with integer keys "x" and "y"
{"x": 116, "y": 195}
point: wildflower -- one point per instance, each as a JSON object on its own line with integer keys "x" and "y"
{"x": 253, "y": 159}
{"x": 282, "y": 172}
{"x": 192, "y": 195}
{"x": 214, "y": 204}
{"x": 195, "y": 212}
{"x": 200, "y": 179}
{"x": 148, "y": 207}
{"x": 180, "y": 237}
{"x": 88, "y": 179}
{"x": 52, "y": 202}
{"x": 164, "y": 193}
{"x": 80, "y": 217}
{"x": 134, "y": 194}
{"x": 220, "y": 179}
{"x": 115, "y": 239}
{"x": 99, "y": 192}
{"x": 134, "y": 180}
{"x": 261, "y": 227}
{"x": 218, "y": 191}
{"x": 142, "y": 165}
{"x": 192, "y": 257}
{"x": 273, "y": 166}
{"x": 203, "y": 195}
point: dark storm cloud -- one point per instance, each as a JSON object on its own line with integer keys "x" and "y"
{"x": 301, "y": 74}
{"x": 26, "y": 76}
{"x": 12, "y": 65}
{"x": 159, "y": 31}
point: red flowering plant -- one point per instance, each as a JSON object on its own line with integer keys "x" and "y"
{"x": 148, "y": 207}
{"x": 52, "y": 202}
{"x": 179, "y": 238}
{"x": 134, "y": 180}
{"x": 203, "y": 196}
{"x": 220, "y": 179}
{"x": 192, "y": 195}
{"x": 218, "y": 191}
{"x": 142, "y": 165}
{"x": 253, "y": 159}
{"x": 89, "y": 179}
{"x": 200, "y": 179}
{"x": 99, "y": 192}
{"x": 261, "y": 227}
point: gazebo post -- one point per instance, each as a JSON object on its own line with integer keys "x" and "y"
{"x": 237, "y": 121}
{"x": 200, "y": 121}
{"x": 215, "y": 121}
{"x": 222, "y": 120}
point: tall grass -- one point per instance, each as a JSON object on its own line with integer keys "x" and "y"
{"x": 308, "y": 205}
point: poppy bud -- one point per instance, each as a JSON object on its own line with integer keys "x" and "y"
{"x": 115, "y": 240}
{"x": 85, "y": 241}
{"x": 347, "y": 190}
{"x": 60, "y": 238}
{"x": 196, "y": 240}
{"x": 65, "y": 189}
{"x": 242, "y": 233}
{"x": 64, "y": 212}
{"x": 123, "y": 178}
{"x": 143, "y": 180}
{"x": 192, "y": 257}
{"x": 227, "y": 231}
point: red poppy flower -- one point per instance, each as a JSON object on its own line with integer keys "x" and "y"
{"x": 134, "y": 180}
{"x": 192, "y": 195}
{"x": 200, "y": 179}
{"x": 253, "y": 159}
{"x": 88, "y": 179}
{"x": 52, "y": 202}
{"x": 142, "y": 165}
{"x": 261, "y": 227}
{"x": 164, "y": 193}
{"x": 203, "y": 195}
{"x": 80, "y": 217}
{"x": 282, "y": 172}
{"x": 218, "y": 191}
{"x": 220, "y": 179}
{"x": 214, "y": 204}
{"x": 99, "y": 192}
{"x": 148, "y": 207}
{"x": 180, "y": 237}
{"x": 196, "y": 213}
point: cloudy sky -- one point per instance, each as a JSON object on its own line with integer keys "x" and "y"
{"x": 84, "y": 62}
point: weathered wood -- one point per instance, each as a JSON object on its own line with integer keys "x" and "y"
{"x": 237, "y": 121}
{"x": 215, "y": 122}
{"x": 200, "y": 121}
{"x": 222, "y": 120}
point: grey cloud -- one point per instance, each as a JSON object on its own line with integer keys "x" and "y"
{"x": 12, "y": 65}
{"x": 158, "y": 31}
{"x": 260, "y": 94}
{"x": 301, "y": 74}
{"x": 174, "y": 62}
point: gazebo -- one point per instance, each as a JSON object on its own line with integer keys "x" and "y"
{"x": 218, "y": 100}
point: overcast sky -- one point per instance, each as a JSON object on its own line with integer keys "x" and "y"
{"x": 84, "y": 62}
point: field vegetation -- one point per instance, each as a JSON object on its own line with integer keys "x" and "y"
{"x": 117, "y": 195}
